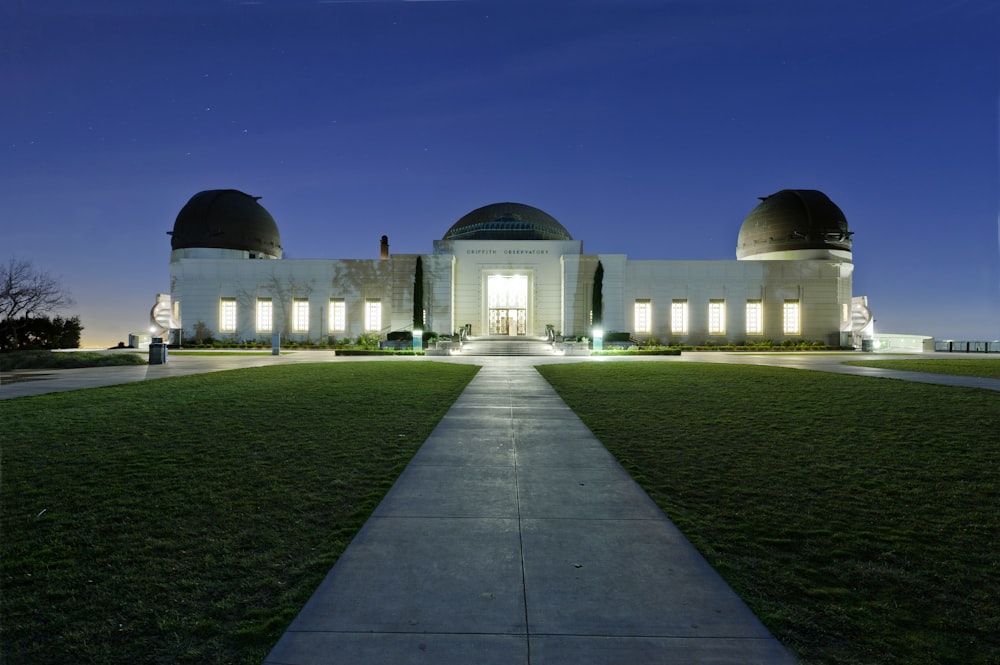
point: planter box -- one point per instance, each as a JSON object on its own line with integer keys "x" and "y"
{"x": 574, "y": 348}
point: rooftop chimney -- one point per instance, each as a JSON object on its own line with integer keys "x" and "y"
{"x": 385, "y": 247}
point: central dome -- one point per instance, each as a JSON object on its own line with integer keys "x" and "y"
{"x": 507, "y": 221}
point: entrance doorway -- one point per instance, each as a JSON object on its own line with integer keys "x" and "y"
{"x": 508, "y": 304}
{"x": 508, "y": 321}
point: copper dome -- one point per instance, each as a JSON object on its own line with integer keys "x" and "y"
{"x": 507, "y": 221}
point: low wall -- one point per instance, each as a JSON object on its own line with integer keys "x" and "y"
{"x": 901, "y": 343}
{"x": 951, "y": 346}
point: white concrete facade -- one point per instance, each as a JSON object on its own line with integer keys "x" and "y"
{"x": 512, "y": 287}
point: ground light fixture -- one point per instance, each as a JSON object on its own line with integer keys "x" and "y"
{"x": 598, "y": 339}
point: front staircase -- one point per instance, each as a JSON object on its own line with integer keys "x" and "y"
{"x": 506, "y": 346}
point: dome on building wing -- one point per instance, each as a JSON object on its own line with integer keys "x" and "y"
{"x": 795, "y": 224}
{"x": 226, "y": 219}
{"x": 507, "y": 221}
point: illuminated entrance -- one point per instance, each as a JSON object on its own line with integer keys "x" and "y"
{"x": 508, "y": 304}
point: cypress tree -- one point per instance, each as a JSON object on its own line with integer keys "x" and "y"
{"x": 418, "y": 295}
{"x": 597, "y": 305}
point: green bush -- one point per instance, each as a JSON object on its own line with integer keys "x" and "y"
{"x": 369, "y": 342}
{"x": 617, "y": 336}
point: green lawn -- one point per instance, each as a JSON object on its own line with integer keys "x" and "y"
{"x": 858, "y": 517}
{"x": 982, "y": 367}
{"x": 13, "y": 360}
{"x": 188, "y": 520}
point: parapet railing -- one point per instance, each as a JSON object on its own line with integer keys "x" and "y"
{"x": 952, "y": 346}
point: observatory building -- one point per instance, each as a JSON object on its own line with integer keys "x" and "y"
{"x": 509, "y": 269}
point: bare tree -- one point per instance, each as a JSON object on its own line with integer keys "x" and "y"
{"x": 26, "y": 292}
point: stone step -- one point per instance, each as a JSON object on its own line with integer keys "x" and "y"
{"x": 506, "y": 347}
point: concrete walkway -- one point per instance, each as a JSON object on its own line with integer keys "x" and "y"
{"x": 515, "y": 537}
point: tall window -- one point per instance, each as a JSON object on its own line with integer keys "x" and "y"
{"x": 373, "y": 315}
{"x": 717, "y": 317}
{"x": 792, "y": 323}
{"x": 679, "y": 317}
{"x": 300, "y": 315}
{"x": 755, "y": 317}
{"x": 227, "y": 315}
{"x": 338, "y": 315}
{"x": 265, "y": 315}
{"x": 643, "y": 318}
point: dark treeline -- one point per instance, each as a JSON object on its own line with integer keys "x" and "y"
{"x": 34, "y": 333}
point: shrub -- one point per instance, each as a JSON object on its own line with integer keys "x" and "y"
{"x": 201, "y": 333}
{"x": 617, "y": 336}
{"x": 369, "y": 342}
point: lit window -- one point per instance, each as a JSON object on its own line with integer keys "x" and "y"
{"x": 338, "y": 315}
{"x": 679, "y": 317}
{"x": 643, "y": 320}
{"x": 373, "y": 315}
{"x": 264, "y": 315}
{"x": 717, "y": 317}
{"x": 755, "y": 317}
{"x": 300, "y": 315}
{"x": 227, "y": 315}
{"x": 792, "y": 324}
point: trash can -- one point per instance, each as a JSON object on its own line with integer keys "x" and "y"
{"x": 868, "y": 345}
{"x": 157, "y": 351}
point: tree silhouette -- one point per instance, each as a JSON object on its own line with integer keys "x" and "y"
{"x": 26, "y": 293}
{"x": 597, "y": 304}
{"x": 418, "y": 295}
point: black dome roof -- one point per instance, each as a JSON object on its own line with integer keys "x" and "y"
{"x": 226, "y": 219}
{"x": 793, "y": 219}
{"x": 507, "y": 221}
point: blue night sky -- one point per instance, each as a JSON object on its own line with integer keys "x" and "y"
{"x": 646, "y": 127}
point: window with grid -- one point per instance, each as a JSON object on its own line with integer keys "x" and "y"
{"x": 643, "y": 318}
{"x": 227, "y": 315}
{"x": 717, "y": 317}
{"x": 679, "y": 317}
{"x": 338, "y": 315}
{"x": 755, "y": 317}
{"x": 792, "y": 324}
{"x": 373, "y": 315}
{"x": 265, "y": 315}
{"x": 300, "y": 315}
